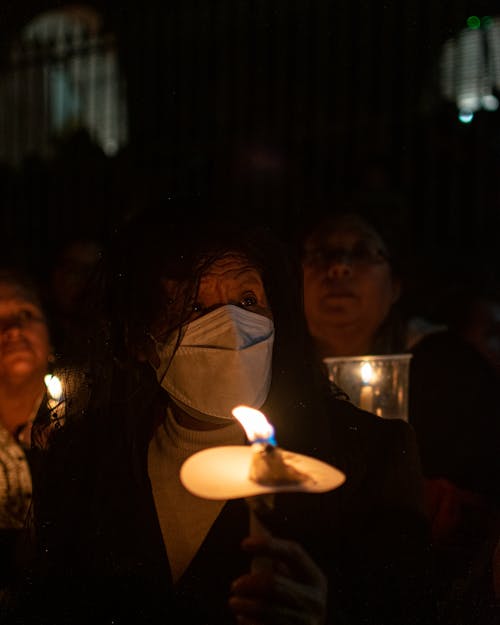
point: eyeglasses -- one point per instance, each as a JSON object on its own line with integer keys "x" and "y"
{"x": 361, "y": 255}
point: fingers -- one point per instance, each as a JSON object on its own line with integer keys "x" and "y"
{"x": 294, "y": 592}
{"x": 295, "y": 559}
{"x": 251, "y": 613}
{"x": 277, "y": 590}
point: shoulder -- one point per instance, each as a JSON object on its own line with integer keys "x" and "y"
{"x": 457, "y": 364}
{"x": 438, "y": 343}
{"x": 378, "y": 440}
{"x": 381, "y": 454}
{"x": 346, "y": 417}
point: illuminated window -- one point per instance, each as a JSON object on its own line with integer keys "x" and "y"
{"x": 470, "y": 67}
{"x": 63, "y": 76}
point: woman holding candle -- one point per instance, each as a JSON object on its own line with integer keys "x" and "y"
{"x": 191, "y": 323}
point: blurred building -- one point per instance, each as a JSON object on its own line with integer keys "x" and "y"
{"x": 278, "y": 108}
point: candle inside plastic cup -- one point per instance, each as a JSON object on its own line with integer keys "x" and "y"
{"x": 378, "y": 384}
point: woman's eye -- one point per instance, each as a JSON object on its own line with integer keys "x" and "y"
{"x": 360, "y": 254}
{"x": 248, "y": 300}
{"x": 25, "y": 315}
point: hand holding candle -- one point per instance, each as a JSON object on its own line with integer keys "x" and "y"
{"x": 257, "y": 473}
{"x": 303, "y": 586}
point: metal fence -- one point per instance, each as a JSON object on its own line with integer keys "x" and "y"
{"x": 318, "y": 98}
{"x": 55, "y": 84}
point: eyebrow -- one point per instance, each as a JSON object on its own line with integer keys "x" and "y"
{"x": 19, "y": 303}
{"x": 249, "y": 276}
{"x": 248, "y": 270}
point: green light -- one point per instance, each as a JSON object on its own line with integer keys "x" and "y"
{"x": 473, "y": 22}
{"x": 486, "y": 21}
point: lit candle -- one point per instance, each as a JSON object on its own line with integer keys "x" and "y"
{"x": 267, "y": 467}
{"x": 54, "y": 390}
{"x": 55, "y": 395}
{"x": 366, "y": 394}
{"x": 56, "y": 400}
{"x": 54, "y": 386}
{"x": 255, "y": 472}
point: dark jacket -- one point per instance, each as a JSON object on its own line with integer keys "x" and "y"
{"x": 455, "y": 410}
{"x": 369, "y": 536}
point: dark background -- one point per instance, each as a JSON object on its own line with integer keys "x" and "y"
{"x": 279, "y": 110}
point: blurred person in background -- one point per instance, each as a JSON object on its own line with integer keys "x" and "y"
{"x": 454, "y": 408}
{"x": 25, "y": 354}
{"x": 351, "y": 287}
{"x": 69, "y": 273}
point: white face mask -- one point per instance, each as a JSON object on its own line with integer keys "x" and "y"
{"x": 223, "y": 359}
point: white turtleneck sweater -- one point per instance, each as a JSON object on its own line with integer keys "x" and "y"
{"x": 184, "y": 519}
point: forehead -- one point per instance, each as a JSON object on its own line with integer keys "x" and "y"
{"x": 16, "y": 295}
{"x": 346, "y": 236}
{"x": 231, "y": 268}
{"x": 229, "y": 271}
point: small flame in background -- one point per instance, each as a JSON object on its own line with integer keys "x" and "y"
{"x": 367, "y": 373}
{"x": 256, "y": 426}
{"x": 54, "y": 386}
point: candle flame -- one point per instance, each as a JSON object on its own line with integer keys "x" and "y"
{"x": 366, "y": 372}
{"x": 54, "y": 386}
{"x": 256, "y": 426}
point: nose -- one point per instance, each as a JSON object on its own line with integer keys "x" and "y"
{"x": 339, "y": 268}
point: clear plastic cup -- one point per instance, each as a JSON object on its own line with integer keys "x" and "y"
{"x": 378, "y": 384}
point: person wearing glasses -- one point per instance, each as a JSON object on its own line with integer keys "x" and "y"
{"x": 350, "y": 289}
